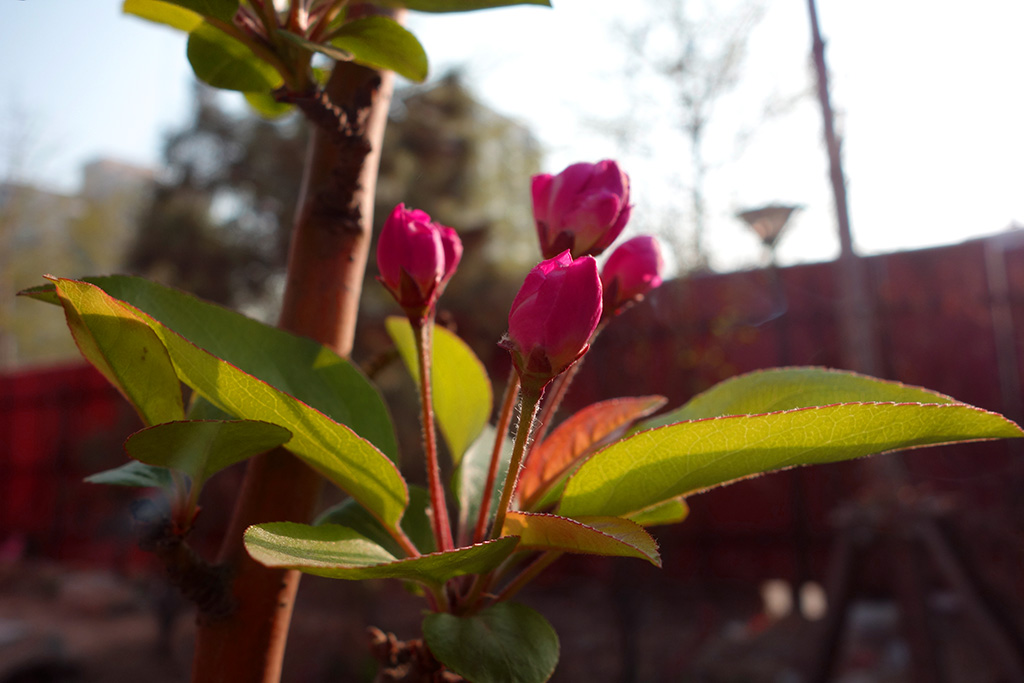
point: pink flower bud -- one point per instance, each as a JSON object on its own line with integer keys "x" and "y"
{"x": 582, "y": 209}
{"x": 632, "y": 270}
{"x": 416, "y": 258}
{"x": 553, "y": 317}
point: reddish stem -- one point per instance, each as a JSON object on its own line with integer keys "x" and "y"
{"x": 423, "y": 331}
{"x": 528, "y": 574}
{"x": 508, "y": 404}
{"x": 527, "y": 412}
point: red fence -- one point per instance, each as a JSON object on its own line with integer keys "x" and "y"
{"x": 951, "y": 319}
{"x": 60, "y": 425}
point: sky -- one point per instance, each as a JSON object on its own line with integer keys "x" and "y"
{"x": 929, "y": 98}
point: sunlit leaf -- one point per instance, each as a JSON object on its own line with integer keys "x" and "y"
{"x": 167, "y": 13}
{"x": 382, "y": 43}
{"x": 504, "y": 643}
{"x": 266, "y": 106}
{"x": 201, "y": 409}
{"x": 588, "y": 535}
{"x": 681, "y": 459}
{"x": 223, "y": 62}
{"x": 333, "y": 449}
{"x": 577, "y": 437}
{"x": 201, "y": 448}
{"x": 415, "y": 522}
{"x": 337, "y": 552}
{"x": 126, "y": 351}
{"x": 769, "y": 391}
{"x": 669, "y": 512}
{"x": 134, "y": 473}
{"x": 461, "y": 389}
{"x": 294, "y": 364}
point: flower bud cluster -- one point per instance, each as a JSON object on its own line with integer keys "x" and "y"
{"x": 579, "y": 213}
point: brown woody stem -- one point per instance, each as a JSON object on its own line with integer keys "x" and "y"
{"x": 330, "y": 242}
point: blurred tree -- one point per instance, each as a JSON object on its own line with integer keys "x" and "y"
{"x": 696, "y": 51}
{"x": 466, "y": 165}
{"x": 469, "y": 168}
{"x": 218, "y": 222}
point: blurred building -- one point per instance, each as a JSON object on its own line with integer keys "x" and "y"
{"x": 44, "y": 232}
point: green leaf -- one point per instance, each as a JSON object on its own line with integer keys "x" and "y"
{"x": 126, "y": 351}
{"x": 223, "y": 62}
{"x": 218, "y": 9}
{"x": 340, "y": 553}
{"x": 46, "y": 293}
{"x": 265, "y": 105}
{"x": 201, "y": 409}
{"x": 415, "y": 522}
{"x": 575, "y": 439}
{"x": 134, "y": 473}
{"x": 587, "y": 535}
{"x": 504, "y": 643}
{"x": 471, "y": 476}
{"x": 333, "y": 449}
{"x": 769, "y": 391}
{"x": 382, "y": 43}
{"x": 461, "y": 390}
{"x": 201, "y": 448}
{"x": 171, "y": 14}
{"x": 681, "y": 459}
{"x": 457, "y": 5}
{"x": 294, "y": 364}
{"x": 669, "y": 512}
{"x": 328, "y": 50}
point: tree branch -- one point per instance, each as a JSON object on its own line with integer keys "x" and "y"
{"x": 330, "y": 243}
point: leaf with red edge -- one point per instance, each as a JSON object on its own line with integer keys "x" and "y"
{"x": 340, "y": 553}
{"x": 503, "y": 643}
{"x": 577, "y": 437}
{"x": 657, "y": 465}
{"x": 587, "y": 535}
{"x": 123, "y": 347}
{"x": 668, "y": 512}
{"x": 241, "y": 366}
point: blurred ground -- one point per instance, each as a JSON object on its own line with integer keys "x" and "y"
{"x": 61, "y": 625}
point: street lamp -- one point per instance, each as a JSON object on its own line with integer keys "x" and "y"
{"x": 768, "y": 222}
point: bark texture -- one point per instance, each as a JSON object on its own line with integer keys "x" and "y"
{"x": 327, "y": 260}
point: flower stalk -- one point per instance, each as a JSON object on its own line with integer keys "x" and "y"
{"x": 529, "y": 403}
{"x": 423, "y": 332}
{"x": 508, "y": 404}
{"x": 528, "y": 574}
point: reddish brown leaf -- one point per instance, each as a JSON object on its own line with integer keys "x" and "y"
{"x": 578, "y": 437}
